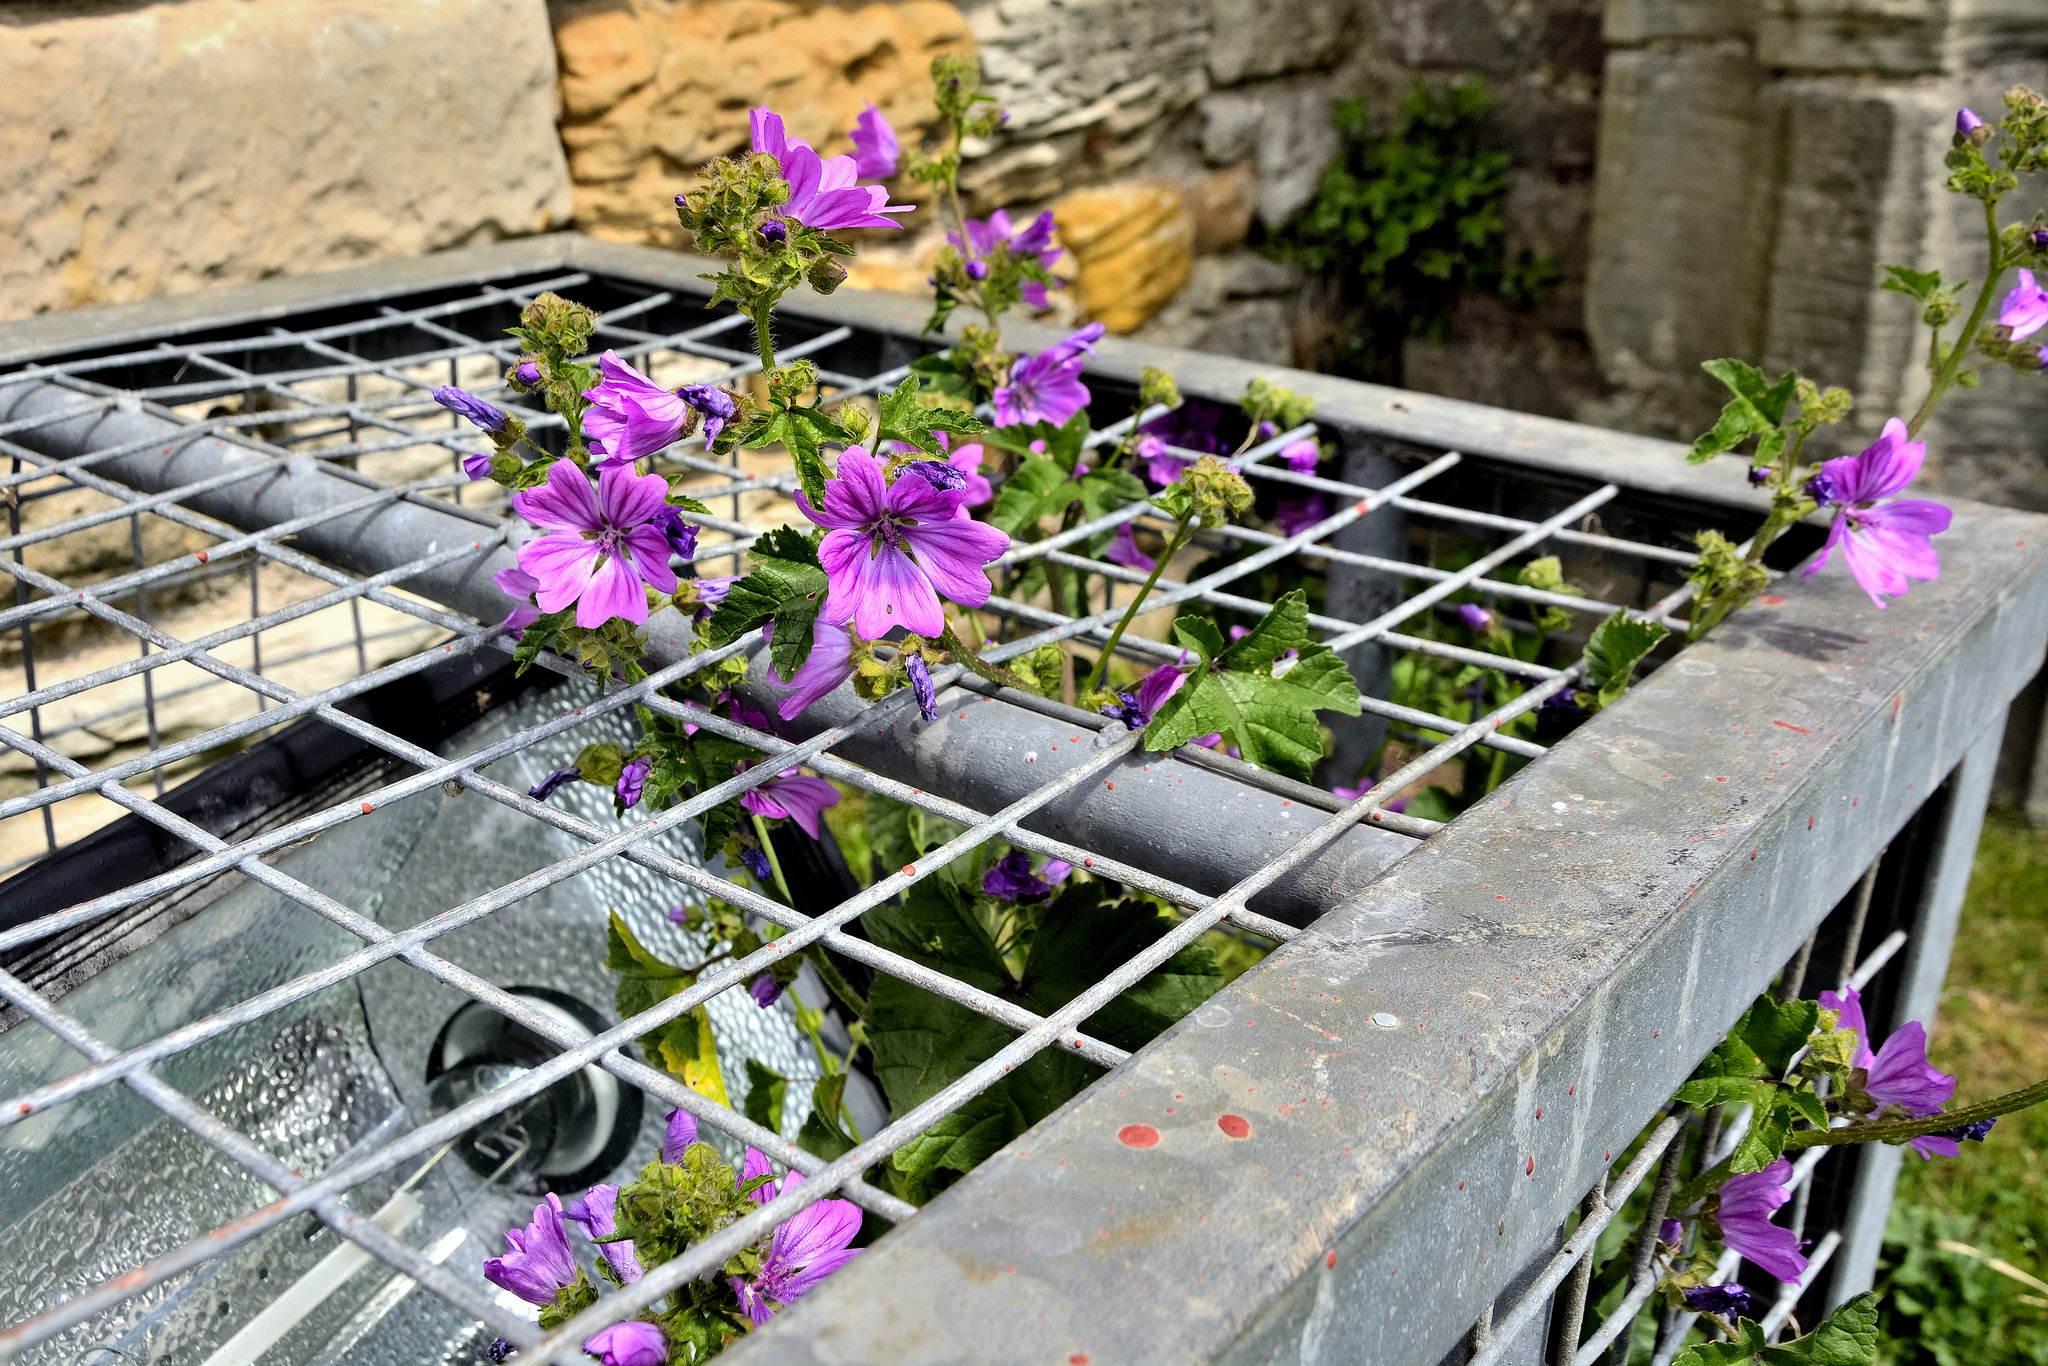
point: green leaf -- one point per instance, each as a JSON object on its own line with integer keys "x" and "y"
{"x": 1614, "y": 649}
{"x": 1847, "y": 1337}
{"x": 906, "y": 417}
{"x": 1757, "y": 408}
{"x": 1266, "y": 704}
{"x": 1037, "y": 488}
{"x": 1086, "y": 932}
{"x": 825, "y": 1133}
{"x": 766, "y": 1090}
{"x": 1919, "y": 284}
{"x": 957, "y": 1144}
{"x": 787, "y": 587}
{"x": 1777, "y": 1030}
{"x": 645, "y": 981}
{"x": 1746, "y": 1348}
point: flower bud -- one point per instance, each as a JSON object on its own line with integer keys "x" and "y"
{"x": 773, "y": 232}
{"x": 527, "y": 374}
{"x": 1157, "y": 386}
{"x": 977, "y": 270}
{"x": 827, "y": 275}
{"x": 1970, "y": 128}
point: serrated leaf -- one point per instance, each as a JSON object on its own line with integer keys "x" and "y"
{"x": 825, "y": 1133}
{"x": 1084, "y": 933}
{"x": 1614, "y": 649}
{"x": 1200, "y": 635}
{"x": 1705, "y": 1091}
{"x": 1743, "y": 1350}
{"x": 942, "y": 373}
{"x": 787, "y": 587}
{"x": 957, "y": 1144}
{"x": 687, "y": 504}
{"x": 1847, "y": 1337}
{"x": 684, "y": 1046}
{"x": 904, "y": 416}
{"x": 1037, "y": 488}
{"x": 1757, "y": 408}
{"x": 1777, "y": 1030}
{"x": 1919, "y": 284}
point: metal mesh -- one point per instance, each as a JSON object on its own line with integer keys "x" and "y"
{"x": 151, "y": 641}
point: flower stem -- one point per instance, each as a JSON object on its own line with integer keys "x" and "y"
{"x": 774, "y": 864}
{"x": 995, "y": 673}
{"x": 1179, "y": 538}
{"x": 764, "y": 343}
{"x": 1946, "y": 376}
{"x": 1898, "y": 1129}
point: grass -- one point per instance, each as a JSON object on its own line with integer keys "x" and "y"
{"x": 1968, "y": 1235}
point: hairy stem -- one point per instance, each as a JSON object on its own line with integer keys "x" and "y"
{"x": 763, "y": 342}
{"x": 1946, "y": 376}
{"x": 1899, "y": 1129}
{"x": 994, "y": 673}
{"x": 1173, "y": 545}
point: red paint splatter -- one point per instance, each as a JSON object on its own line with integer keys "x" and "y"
{"x": 1539, "y": 1112}
{"x": 1809, "y": 822}
{"x": 1789, "y": 726}
{"x": 1087, "y": 863}
{"x": 1237, "y": 1126}
{"x": 1330, "y": 1261}
{"x": 1138, "y": 1135}
{"x": 910, "y": 870}
{"x": 1110, "y": 786}
{"x": 1461, "y": 1185}
{"x": 1078, "y": 1359}
{"x": 199, "y": 555}
{"x": 367, "y": 808}
{"x": 1530, "y": 1170}
{"x": 1771, "y": 600}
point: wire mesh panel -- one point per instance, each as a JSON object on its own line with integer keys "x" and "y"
{"x": 261, "y": 714}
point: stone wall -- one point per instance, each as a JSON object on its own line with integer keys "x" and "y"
{"x": 160, "y": 148}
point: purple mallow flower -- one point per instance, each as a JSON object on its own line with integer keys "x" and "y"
{"x": 791, "y": 794}
{"x": 597, "y": 1215}
{"x": 822, "y": 192}
{"x": 680, "y": 535}
{"x": 757, "y": 863}
{"x": 804, "y": 1251}
{"x": 1898, "y": 1073}
{"x": 1136, "y": 709}
{"x": 1884, "y": 546}
{"x": 630, "y": 416}
{"x": 718, "y": 407}
{"x": 1011, "y": 878}
{"x": 631, "y": 1343}
{"x": 942, "y": 475}
{"x": 488, "y": 417}
{"x": 520, "y": 586}
{"x": 527, "y": 374}
{"x": 1124, "y": 550}
{"x": 537, "y": 1263}
{"x": 921, "y": 685}
{"x": 546, "y": 787}
{"x": 1976, "y": 1132}
{"x": 976, "y": 270}
{"x": 1967, "y": 122}
{"x": 984, "y": 235}
{"x": 1046, "y": 386}
{"x": 2024, "y": 309}
{"x": 875, "y": 148}
{"x": 633, "y": 780}
{"x": 1301, "y": 456}
{"x": 829, "y": 664}
{"x": 765, "y": 990}
{"x": 1474, "y": 616}
{"x": 682, "y": 1132}
{"x": 891, "y": 550}
{"x": 1733, "y": 1300}
{"x": 604, "y": 551}
{"x": 499, "y": 1349}
{"x": 1744, "y": 1209}
{"x": 774, "y": 232}
{"x": 1296, "y": 515}
{"x": 1670, "y": 1231}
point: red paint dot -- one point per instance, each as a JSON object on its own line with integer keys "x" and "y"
{"x": 1110, "y": 786}
{"x": 1330, "y": 1260}
{"x": 26, "y": 1107}
{"x": 1237, "y": 1126}
{"x": 910, "y": 870}
{"x": 1530, "y": 1170}
{"x": 1539, "y": 1112}
{"x": 367, "y": 808}
{"x": 1771, "y": 600}
{"x": 1077, "y": 1359}
{"x": 1087, "y": 863}
{"x": 199, "y": 555}
{"x": 1461, "y": 1185}
{"x": 1138, "y": 1135}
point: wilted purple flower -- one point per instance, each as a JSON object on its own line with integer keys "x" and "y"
{"x": 1733, "y": 1300}
{"x": 1759, "y": 474}
{"x": 2024, "y": 309}
{"x": 631, "y": 1343}
{"x": 680, "y": 535}
{"x": 1296, "y": 515}
{"x": 1976, "y": 1132}
{"x": 1302, "y": 456}
{"x": 1474, "y": 616}
{"x": 1047, "y": 387}
{"x": 520, "y": 586}
{"x": 527, "y": 374}
{"x": 682, "y": 1132}
{"x": 757, "y": 863}
{"x": 829, "y": 664}
{"x": 1885, "y": 546}
{"x": 1124, "y": 550}
{"x": 1744, "y": 1209}
{"x": 891, "y": 550}
{"x": 765, "y": 990}
{"x": 489, "y": 416}
{"x": 822, "y": 192}
{"x": 498, "y": 1350}
{"x": 718, "y": 407}
{"x": 942, "y": 475}
{"x": 630, "y": 416}
{"x": 603, "y": 553}
{"x": 875, "y": 148}
{"x": 546, "y": 787}
{"x": 803, "y": 1252}
{"x": 1011, "y": 877}
{"x": 1137, "y": 709}
{"x": 1670, "y": 1231}
{"x": 921, "y": 685}
{"x": 633, "y": 780}
{"x": 791, "y": 794}
{"x": 537, "y": 1263}
{"x": 711, "y": 592}
{"x": 597, "y": 1215}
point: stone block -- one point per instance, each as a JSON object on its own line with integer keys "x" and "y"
{"x": 1630, "y": 23}
{"x": 1051, "y": 64}
{"x": 1222, "y": 205}
{"x": 1296, "y": 141}
{"x": 1257, "y": 330}
{"x": 162, "y": 148}
{"x": 1133, "y": 246}
{"x": 1900, "y": 37}
{"x": 1230, "y": 127}
{"x": 1258, "y": 38}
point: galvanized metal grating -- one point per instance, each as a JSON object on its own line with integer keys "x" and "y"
{"x": 378, "y": 437}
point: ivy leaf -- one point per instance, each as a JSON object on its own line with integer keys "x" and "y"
{"x": 787, "y": 587}
{"x": 1614, "y": 649}
{"x": 1037, "y": 488}
{"x": 906, "y": 417}
{"x": 1758, "y": 407}
{"x": 1263, "y": 702}
{"x": 766, "y": 1091}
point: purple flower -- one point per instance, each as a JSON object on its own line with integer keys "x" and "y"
{"x": 545, "y": 788}
{"x": 891, "y": 550}
{"x": 1302, "y": 456}
{"x": 1011, "y": 878}
{"x": 597, "y": 1215}
{"x": 1670, "y": 1231}
{"x": 1745, "y": 1206}
{"x": 1885, "y": 546}
{"x": 537, "y": 1263}
{"x": 754, "y": 1166}
{"x": 822, "y": 193}
{"x": 942, "y": 475}
{"x": 774, "y": 232}
{"x": 1733, "y": 1300}
{"x": 2024, "y": 310}
{"x": 921, "y": 685}
{"x": 630, "y": 416}
{"x": 603, "y": 553}
{"x": 1760, "y": 474}
{"x": 757, "y": 863}
{"x": 1162, "y": 466}
{"x": 829, "y": 664}
{"x": 1976, "y": 1132}
{"x": 715, "y": 403}
{"x": 680, "y": 535}
{"x": 491, "y": 418}
{"x": 631, "y": 1343}
{"x": 520, "y": 586}
{"x": 1047, "y": 387}
{"x": 527, "y": 374}
{"x": 1124, "y": 550}
{"x": 968, "y": 460}
{"x": 633, "y": 780}
{"x": 1967, "y": 121}
{"x": 1137, "y": 709}
{"x": 498, "y": 1350}
{"x": 711, "y": 592}
{"x": 791, "y": 794}
{"x": 977, "y": 270}
{"x": 1474, "y": 616}
{"x": 875, "y": 149}
{"x": 765, "y": 990}
{"x": 1296, "y": 515}
{"x": 682, "y": 1132}
{"x": 1820, "y": 488}
{"x": 1898, "y": 1073}
{"x": 1034, "y": 239}
{"x": 804, "y": 1251}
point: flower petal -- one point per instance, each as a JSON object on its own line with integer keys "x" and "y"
{"x": 952, "y": 554}
{"x": 564, "y": 503}
{"x": 562, "y": 563}
{"x": 614, "y": 590}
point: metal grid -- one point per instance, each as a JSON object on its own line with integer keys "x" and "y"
{"x": 366, "y": 434}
